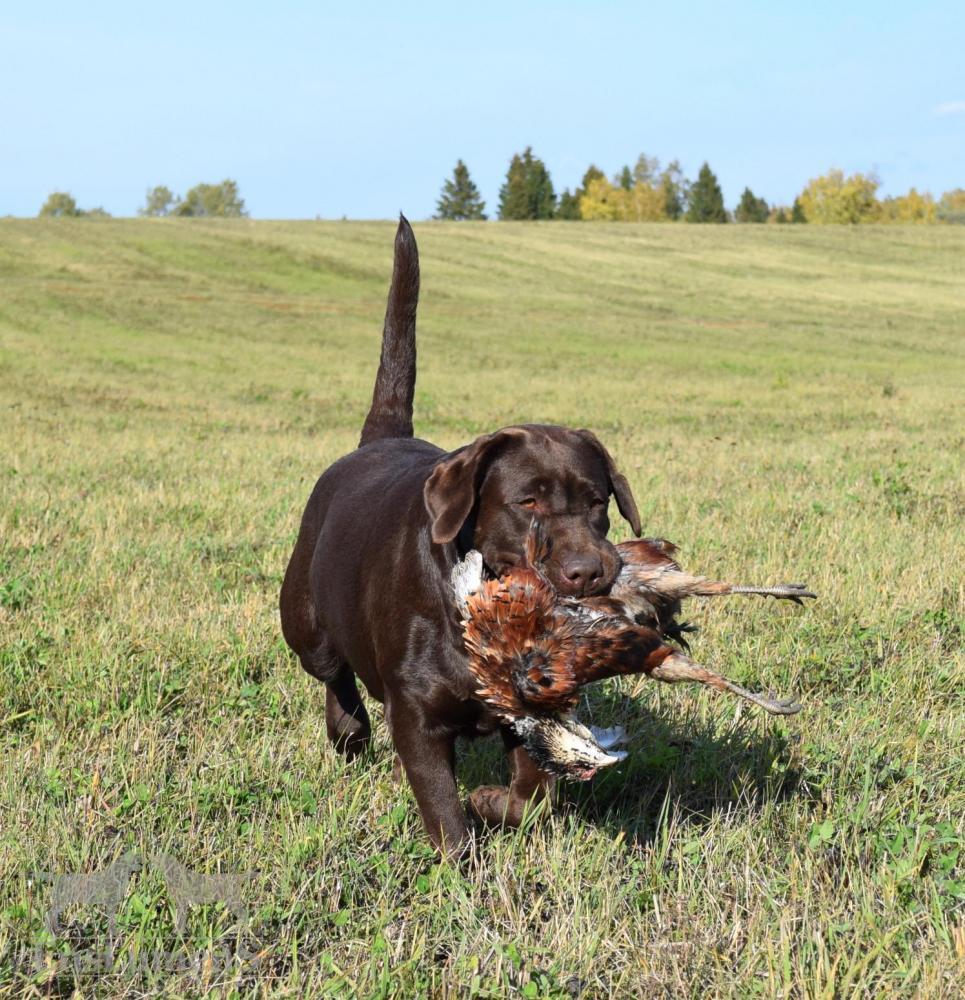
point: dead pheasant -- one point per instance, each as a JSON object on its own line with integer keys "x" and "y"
{"x": 531, "y": 651}
{"x": 651, "y": 586}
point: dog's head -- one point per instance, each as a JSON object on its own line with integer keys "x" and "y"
{"x": 494, "y": 487}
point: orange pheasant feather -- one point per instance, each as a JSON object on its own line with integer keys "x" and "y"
{"x": 530, "y": 651}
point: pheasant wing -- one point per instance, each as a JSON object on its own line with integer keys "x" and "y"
{"x": 612, "y": 648}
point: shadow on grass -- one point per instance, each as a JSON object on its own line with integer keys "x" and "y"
{"x": 677, "y": 764}
{"x": 734, "y": 758}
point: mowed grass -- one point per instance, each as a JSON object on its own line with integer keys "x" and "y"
{"x": 787, "y": 404}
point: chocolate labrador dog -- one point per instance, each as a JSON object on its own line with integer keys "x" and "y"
{"x": 367, "y": 593}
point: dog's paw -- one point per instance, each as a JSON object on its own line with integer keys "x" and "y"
{"x": 489, "y": 804}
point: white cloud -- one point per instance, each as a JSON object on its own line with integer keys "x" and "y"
{"x": 949, "y": 108}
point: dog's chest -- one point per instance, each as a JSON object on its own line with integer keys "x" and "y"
{"x": 469, "y": 715}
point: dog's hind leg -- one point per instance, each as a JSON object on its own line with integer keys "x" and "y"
{"x": 346, "y": 719}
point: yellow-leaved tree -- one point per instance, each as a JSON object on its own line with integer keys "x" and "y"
{"x": 598, "y": 203}
{"x": 952, "y": 206}
{"x": 834, "y": 198}
{"x": 605, "y": 202}
{"x": 911, "y": 207}
{"x": 642, "y": 203}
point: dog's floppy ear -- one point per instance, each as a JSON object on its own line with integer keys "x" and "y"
{"x": 450, "y": 492}
{"x": 619, "y": 486}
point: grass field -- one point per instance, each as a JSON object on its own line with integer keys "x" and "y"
{"x": 787, "y": 404}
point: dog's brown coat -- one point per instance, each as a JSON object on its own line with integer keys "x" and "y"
{"x": 367, "y": 591}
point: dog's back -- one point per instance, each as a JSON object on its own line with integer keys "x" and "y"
{"x": 348, "y": 540}
{"x": 348, "y": 549}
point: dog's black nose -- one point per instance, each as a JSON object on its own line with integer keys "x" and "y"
{"x": 583, "y": 573}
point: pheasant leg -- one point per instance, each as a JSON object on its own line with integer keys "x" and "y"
{"x": 677, "y": 667}
{"x": 782, "y": 591}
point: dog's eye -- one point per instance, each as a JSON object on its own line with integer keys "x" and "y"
{"x": 529, "y": 503}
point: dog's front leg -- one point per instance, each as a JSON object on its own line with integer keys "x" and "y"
{"x": 429, "y": 760}
{"x": 499, "y": 806}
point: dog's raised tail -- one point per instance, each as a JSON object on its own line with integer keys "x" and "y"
{"x": 390, "y": 415}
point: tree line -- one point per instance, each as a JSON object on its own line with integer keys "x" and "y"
{"x": 648, "y": 193}
{"x": 203, "y": 200}
{"x": 645, "y": 192}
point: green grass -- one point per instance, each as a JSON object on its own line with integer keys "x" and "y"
{"x": 787, "y": 404}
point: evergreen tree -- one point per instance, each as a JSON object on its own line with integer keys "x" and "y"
{"x": 569, "y": 206}
{"x": 675, "y": 188}
{"x": 797, "y": 212}
{"x": 539, "y": 188}
{"x": 593, "y": 173}
{"x": 528, "y": 191}
{"x": 460, "y": 197}
{"x": 780, "y": 216}
{"x": 706, "y": 198}
{"x": 512, "y": 195}
{"x": 624, "y": 179}
{"x": 751, "y": 208}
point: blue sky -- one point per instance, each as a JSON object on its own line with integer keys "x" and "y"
{"x": 361, "y": 109}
